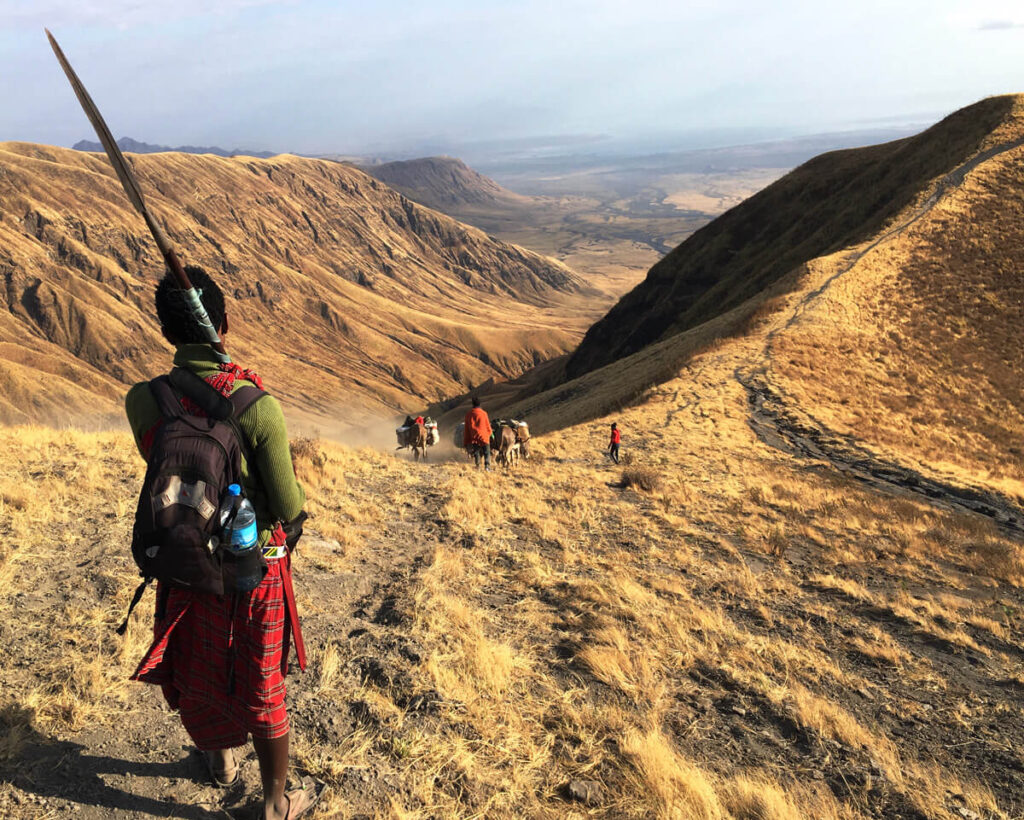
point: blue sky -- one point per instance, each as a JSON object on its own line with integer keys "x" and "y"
{"x": 314, "y": 76}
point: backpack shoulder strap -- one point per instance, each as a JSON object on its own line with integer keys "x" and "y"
{"x": 244, "y": 398}
{"x": 241, "y": 400}
{"x": 212, "y": 402}
{"x": 166, "y": 401}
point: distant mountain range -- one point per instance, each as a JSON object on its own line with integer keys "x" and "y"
{"x": 135, "y": 147}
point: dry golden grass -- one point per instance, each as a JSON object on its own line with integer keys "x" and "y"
{"x": 615, "y": 612}
{"x": 913, "y": 351}
{"x": 60, "y": 477}
{"x": 643, "y": 478}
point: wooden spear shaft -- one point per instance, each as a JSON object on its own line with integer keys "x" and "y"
{"x": 131, "y": 188}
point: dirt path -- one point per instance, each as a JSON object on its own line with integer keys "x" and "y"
{"x": 778, "y": 421}
{"x": 355, "y": 614}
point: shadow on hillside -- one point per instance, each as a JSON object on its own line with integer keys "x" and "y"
{"x": 833, "y": 201}
{"x": 55, "y": 770}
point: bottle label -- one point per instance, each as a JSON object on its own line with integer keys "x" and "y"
{"x": 245, "y": 537}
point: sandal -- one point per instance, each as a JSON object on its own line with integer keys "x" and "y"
{"x": 225, "y": 777}
{"x": 304, "y": 799}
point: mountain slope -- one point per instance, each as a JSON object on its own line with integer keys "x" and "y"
{"x": 830, "y": 202}
{"x": 896, "y": 358}
{"x": 443, "y": 183}
{"x": 911, "y": 347}
{"x": 347, "y": 294}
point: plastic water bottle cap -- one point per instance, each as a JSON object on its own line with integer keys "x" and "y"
{"x": 234, "y": 489}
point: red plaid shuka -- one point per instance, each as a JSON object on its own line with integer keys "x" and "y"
{"x": 223, "y": 381}
{"x": 221, "y": 660}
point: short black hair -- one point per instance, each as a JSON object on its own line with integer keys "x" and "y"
{"x": 614, "y": 425}
{"x": 476, "y": 401}
{"x": 172, "y": 310}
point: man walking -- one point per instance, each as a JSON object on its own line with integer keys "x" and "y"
{"x": 476, "y": 436}
{"x": 221, "y": 659}
{"x": 613, "y": 445}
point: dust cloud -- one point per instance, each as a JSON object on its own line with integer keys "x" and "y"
{"x": 374, "y": 431}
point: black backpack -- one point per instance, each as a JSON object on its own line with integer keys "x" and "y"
{"x": 192, "y": 460}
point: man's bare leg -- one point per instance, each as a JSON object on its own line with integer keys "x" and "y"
{"x": 273, "y": 758}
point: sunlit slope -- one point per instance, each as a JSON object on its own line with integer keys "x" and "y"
{"x": 353, "y": 295}
{"x": 914, "y": 348}
{"x": 833, "y": 201}
{"x": 902, "y": 351}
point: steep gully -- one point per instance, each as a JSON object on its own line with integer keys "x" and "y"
{"x": 777, "y": 421}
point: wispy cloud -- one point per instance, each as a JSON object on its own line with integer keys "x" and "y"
{"x": 999, "y": 25}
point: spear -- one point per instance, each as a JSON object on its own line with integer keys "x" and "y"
{"x": 131, "y": 188}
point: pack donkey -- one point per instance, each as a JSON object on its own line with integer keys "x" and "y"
{"x": 413, "y": 436}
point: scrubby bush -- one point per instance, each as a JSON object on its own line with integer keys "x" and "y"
{"x": 308, "y": 449}
{"x": 641, "y": 478}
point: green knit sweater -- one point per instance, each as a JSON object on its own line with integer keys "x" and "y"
{"x": 276, "y": 496}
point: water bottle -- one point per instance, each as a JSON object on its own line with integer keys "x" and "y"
{"x": 241, "y": 538}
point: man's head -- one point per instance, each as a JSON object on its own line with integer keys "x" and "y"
{"x": 476, "y": 401}
{"x": 176, "y": 320}
{"x": 614, "y": 425}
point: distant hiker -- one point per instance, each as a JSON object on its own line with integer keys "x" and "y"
{"x": 613, "y": 445}
{"x": 221, "y": 659}
{"x": 476, "y": 437}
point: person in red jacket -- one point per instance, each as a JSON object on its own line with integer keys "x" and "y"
{"x": 476, "y": 436}
{"x": 613, "y": 445}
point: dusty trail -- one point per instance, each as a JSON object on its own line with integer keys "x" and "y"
{"x": 778, "y": 421}
{"x": 354, "y": 604}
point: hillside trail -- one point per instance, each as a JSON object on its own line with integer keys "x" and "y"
{"x": 778, "y": 421}
{"x": 355, "y": 609}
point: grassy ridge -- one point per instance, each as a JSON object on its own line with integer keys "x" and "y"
{"x": 832, "y": 201}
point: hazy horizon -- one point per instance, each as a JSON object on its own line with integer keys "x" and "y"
{"x": 315, "y": 77}
{"x": 539, "y": 148}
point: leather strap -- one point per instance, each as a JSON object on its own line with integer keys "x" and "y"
{"x": 293, "y": 615}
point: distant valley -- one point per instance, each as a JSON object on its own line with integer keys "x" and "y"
{"x": 606, "y": 213}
